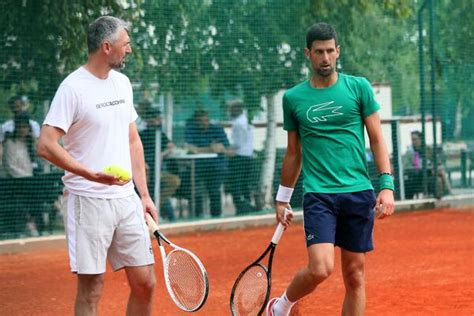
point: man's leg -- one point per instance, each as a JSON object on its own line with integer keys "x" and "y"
{"x": 169, "y": 184}
{"x": 353, "y": 273}
{"x": 142, "y": 285}
{"x": 89, "y": 291}
{"x": 320, "y": 267}
{"x": 232, "y": 183}
{"x": 244, "y": 183}
{"x": 213, "y": 186}
{"x": 247, "y": 178}
{"x": 199, "y": 191}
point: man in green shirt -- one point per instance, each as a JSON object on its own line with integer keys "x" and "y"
{"x": 325, "y": 118}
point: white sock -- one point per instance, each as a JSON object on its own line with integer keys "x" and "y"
{"x": 283, "y": 306}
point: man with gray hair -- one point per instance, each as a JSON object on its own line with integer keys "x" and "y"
{"x": 93, "y": 113}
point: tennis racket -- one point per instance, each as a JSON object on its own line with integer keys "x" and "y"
{"x": 185, "y": 276}
{"x": 252, "y": 288}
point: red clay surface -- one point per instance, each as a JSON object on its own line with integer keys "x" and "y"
{"x": 423, "y": 264}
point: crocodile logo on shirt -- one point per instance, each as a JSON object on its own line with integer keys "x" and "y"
{"x": 320, "y": 112}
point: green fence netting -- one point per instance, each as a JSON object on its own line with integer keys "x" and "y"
{"x": 213, "y": 59}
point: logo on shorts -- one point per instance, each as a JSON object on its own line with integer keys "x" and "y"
{"x": 150, "y": 249}
{"x": 310, "y": 237}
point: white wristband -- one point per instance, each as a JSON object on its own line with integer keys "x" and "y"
{"x": 284, "y": 194}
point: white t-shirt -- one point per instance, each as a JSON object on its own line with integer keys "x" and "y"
{"x": 95, "y": 114}
{"x": 242, "y": 136}
{"x": 16, "y": 159}
{"x": 9, "y": 127}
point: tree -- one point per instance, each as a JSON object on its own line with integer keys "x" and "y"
{"x": 256, "y": 53}
{"x": 454, "y": 42}
{"x": 43, "y": 40}
{"x": 266, "y": 41}
{"x": 382, "y": 49}
{"x": 172, "y": 40}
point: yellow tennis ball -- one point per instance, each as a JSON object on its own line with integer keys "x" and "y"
{"x": 119, "y": 172}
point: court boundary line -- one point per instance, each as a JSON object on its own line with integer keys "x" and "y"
{"x": 13, "y": 246}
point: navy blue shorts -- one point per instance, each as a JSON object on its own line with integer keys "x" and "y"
{"x": 343, "y": 219}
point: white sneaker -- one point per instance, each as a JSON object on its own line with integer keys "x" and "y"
{"x": 269, "y": 308}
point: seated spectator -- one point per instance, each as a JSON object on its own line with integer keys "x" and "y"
{"x": 203, "y": 137}
{"x": 19, "y": 162}
{"x": 413, "y": 169}
{"x": 18, "y": 104}
{"x": 19, "y": 148}
{"x": 169, "y": 182}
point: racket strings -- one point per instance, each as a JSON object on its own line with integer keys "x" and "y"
{"x": 250, "y": 292}
{"x": 187, "y": 280}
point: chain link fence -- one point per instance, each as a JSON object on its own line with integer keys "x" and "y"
{"x": 224, "y": 65}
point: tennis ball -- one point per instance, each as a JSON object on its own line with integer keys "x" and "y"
{"x": 119, "y": 172}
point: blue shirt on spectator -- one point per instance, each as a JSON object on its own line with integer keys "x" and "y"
{"x": 200, "y": 137}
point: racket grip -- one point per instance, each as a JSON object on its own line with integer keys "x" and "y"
{"x": 152, "y": 226}
{"x": 278, "y": 232}
{"x": 280, "y": 229}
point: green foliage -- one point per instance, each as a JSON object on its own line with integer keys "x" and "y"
{"x": 172, "y": 42}
{"x": 255, "y": 51}
{"x": 261, "y": 43}
{"x": 238, "y": 48}
{"x": 454, "y": 44}
{"x": 44, "y": 40}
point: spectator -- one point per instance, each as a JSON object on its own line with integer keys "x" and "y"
{"x": 241, "y": 161}
{"x": 413, "y": 169}
{"x": 19, "y": 148}
{"x": 204, "y": 137}
{"x": 19, "y": 162}
{"x": 169, "y": 182}
{"x": 18, "y": 104}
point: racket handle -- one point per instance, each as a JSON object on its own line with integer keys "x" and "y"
{"x": 280, "y": 229}
{"x": 152, "y": 226}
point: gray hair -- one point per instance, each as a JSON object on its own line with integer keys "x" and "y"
{"x": 103, "y": 29}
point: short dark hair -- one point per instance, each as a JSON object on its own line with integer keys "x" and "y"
{"x": 147, "y": 110}
{"x": 151, "y": 113}
{"x": 320, "y": 32}
{"x": 200, "y": 113}
{"x": 236, "y": 104}
{"x": 19, "y": 97}
{"x": 103, "y": 29}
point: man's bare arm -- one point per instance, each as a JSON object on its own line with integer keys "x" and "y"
{"x": 138, "y": 161}
{"x": 139, "y": 171}
{"x": 385, "y": 204}
{"x": 290, "y": 172}
{"x": 291, "y": 167}
{"x": 377, "y": 143}
{"x": 49, "y": 148}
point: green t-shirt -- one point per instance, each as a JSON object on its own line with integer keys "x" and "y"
{"x": 330, "y": 125}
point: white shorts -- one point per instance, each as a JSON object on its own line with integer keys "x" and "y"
{"x": 98, "y": 229}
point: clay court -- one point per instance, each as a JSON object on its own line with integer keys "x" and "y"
{"x": 422, "y": 265}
